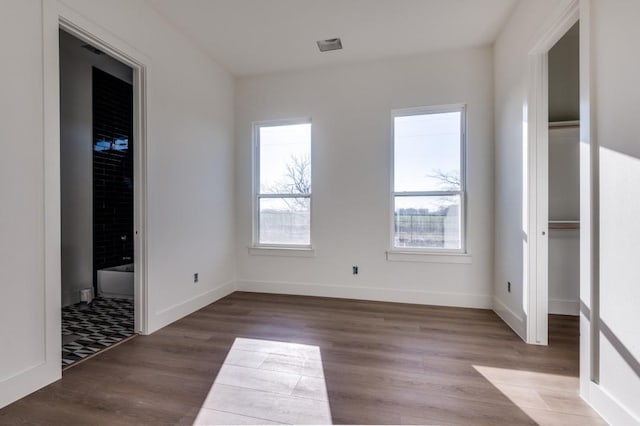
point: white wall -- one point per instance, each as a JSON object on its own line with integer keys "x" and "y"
{"x": 350, "y": 108}
{"x": 616, "y": 91}
{"x": 22, "y": 297}
{"x": 76, "y": 161}
{"x": 511, "y": 51}
{"x": 189, "y": 156}
{"x": 614, "y": 31}
{"x": 189, "y": 169}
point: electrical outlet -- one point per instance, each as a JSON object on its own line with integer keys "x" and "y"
{"x": 195, "y": 277}
{"x": 509, "y": 286}
{"x": 354, "y": 270}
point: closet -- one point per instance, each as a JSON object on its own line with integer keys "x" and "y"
{"x": 564, "y": 217}
{"x": 564, "y": 175}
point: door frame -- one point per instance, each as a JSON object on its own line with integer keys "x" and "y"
{"x": 56, "y": 17}
{"x": 535, "y": 200}
{"x": 536, "y": 194}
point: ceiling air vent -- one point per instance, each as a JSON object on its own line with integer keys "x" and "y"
{"x": 329, "y": 44}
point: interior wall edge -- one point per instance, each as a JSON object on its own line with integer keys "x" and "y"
{"x": 513, "y": 320}
{"x": 608, "y": 407}
{"x": 27, "y": 381}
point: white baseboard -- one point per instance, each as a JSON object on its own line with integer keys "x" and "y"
{"x": 368, "y": 293}
{"x": 564, "y": 307}
{"x": 608, "y": 407}
{"x": 28, "y": 381}
{"x": 173, "y": 313}
{"x": 513, "y": 320}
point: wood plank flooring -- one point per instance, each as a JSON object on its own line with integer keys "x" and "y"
{"x": 270, "y": 359}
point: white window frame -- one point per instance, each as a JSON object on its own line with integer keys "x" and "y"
{"x": 409, "y": 253}
{"x": 276, "y": 249}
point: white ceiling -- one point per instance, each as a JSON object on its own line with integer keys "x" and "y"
{"x": 259, "y": 36}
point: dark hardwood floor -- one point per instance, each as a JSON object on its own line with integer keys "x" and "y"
{"x": 266, "y": 359}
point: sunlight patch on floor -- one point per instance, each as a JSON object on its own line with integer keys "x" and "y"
{"x": 548, "y": 399}
{"x": 268, "y": 382}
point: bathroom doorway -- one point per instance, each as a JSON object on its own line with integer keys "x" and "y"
{"x": 98, "y": 277}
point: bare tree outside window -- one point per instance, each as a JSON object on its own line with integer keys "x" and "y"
{"x": 428, "y": 187}
{"x": 448, "y": 181}
{"x": 284, "y": 199}
{"x": 297, "y": 180}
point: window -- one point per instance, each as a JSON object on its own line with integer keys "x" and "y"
{"x": 428, "y": 179}
{"x": 282, "y": 183}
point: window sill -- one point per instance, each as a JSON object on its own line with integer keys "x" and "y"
{"x": 282, "y": 251}
{"x": 428, "y": 257}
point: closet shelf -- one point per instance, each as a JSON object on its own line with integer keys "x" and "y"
{"x": 564, "y": 124}
{"x": 564, "y": 224}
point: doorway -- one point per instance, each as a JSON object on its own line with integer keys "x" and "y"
{"x": 563, "y": 274}
{"x": 536, "y": 157}
{"x": 99, "y": 278}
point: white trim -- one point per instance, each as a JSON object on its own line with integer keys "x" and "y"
{"x": 51, "y": 149}
{"x": 608, "y": 407}
{"x": 557, "y": 26}
{"x": 564, "y": 307}
{"x": 426, "y": 257}
{"x": 513, "y": 320}
{"x": 282, "y": 251}
{"x": 140, "y": 199}
{"x": 174, "y": 312}
{"x": 47, "y": 368}
{"x": 462, "y": 193}
{"x": 428, "y": 109}
{"x": 589, "y": 216}
{"x": 285, "y": 195}
{"x": 463, "y": 300}
{"x": 80, "y": 28}
{"x": 538, "y": 152}
{"x": 255, "y": 181}
{"x": 28, "y": 380}
{"x": 536, "y": 187}
{"x": 589, "y": 211}
{"x": 281, "y": 122}
{"x": 426, "y": 193}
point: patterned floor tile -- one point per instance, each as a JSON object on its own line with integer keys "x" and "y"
{"x": 106, "y": 322}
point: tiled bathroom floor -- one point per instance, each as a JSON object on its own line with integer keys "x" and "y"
{"x": 85, "y": 332}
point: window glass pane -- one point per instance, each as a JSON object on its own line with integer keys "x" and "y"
{"x": 284, "y": 221}
{"x": 427, "y": 222}
{"x": 285, "y": 159}
{"x": 427, "y": 152}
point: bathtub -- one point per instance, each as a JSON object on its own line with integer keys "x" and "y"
{"x": 116, "y": 282}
